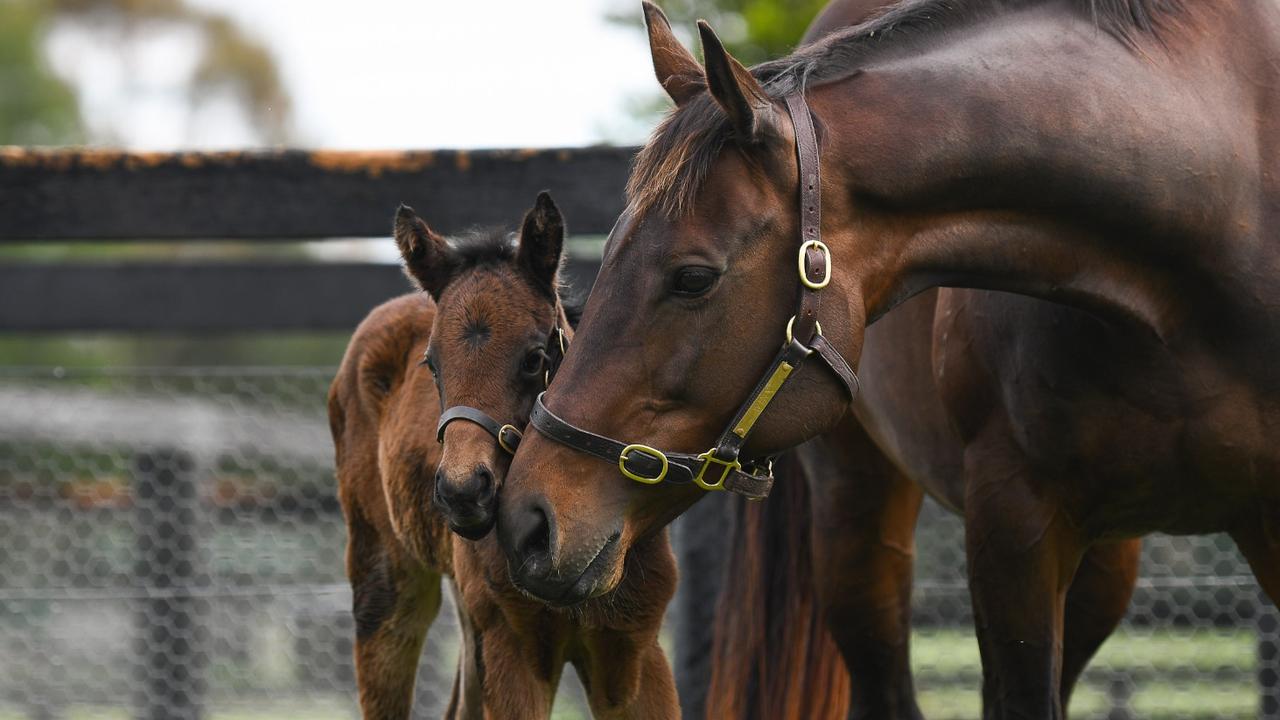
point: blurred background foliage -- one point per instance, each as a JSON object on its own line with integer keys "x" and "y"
{"x": 752, "y": 30}
{"x": 38, "y": 107}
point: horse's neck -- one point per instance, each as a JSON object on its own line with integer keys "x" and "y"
{"x": 1039, "y": 155}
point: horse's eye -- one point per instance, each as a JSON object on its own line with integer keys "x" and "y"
{"x": 426, "y": 360}
{"x": 693, "y": 281}
{"x": 532, "y": 363}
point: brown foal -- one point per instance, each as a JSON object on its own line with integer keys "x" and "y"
{"x": 1114, "y": 157}
{"x": 477, "y": 337}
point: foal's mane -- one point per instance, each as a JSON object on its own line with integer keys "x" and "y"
{"x": 670, "y": 168}
{"x": 496, "y": 247}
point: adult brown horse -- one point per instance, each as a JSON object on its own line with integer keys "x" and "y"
{"x": 483, "y": 345}
{"x": 1114, "y": 157}
{"x": 859, "y": 523}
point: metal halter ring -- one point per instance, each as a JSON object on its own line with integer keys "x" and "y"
{"x": 511, "y": 449}
{"x": 727, "y": 466}
{"x": 791, "y": 323}
{"x": 643, "y": 450}
{"x": 826, "y": 264}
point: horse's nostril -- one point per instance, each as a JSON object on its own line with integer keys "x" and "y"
{"x": 440, "y": 486}
{"x": 535, "y": 543}
{"x": 482, "y": 480}
{"x": 538, "y": 541}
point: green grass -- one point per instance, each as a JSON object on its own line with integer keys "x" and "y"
{"x": 947, "y": 681}
{"x": 948, "y": 672}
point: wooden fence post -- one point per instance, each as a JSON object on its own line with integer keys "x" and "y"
{"x": 170, "y": 631}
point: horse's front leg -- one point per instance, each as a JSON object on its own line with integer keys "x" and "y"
{"x": 394, "y": 603}
{"x": 625, "y": 682}
{"x": 1022, "y": 554}
{"x": 1096, "y": 603}
{"x": 863, "y": 532}
{"x": 517, "y": 672}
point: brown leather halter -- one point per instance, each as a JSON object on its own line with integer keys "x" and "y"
{"x": 720, "y": 468}
{"x": 507, "y": 435}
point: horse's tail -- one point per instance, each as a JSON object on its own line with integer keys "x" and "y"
{"x": 773, "y": 656}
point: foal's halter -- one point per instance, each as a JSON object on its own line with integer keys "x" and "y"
{"x": 507, "y": 435}
{"x": 721, "y": 468}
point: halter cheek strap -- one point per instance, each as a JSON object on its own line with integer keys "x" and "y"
{"x": 721, "y": 468}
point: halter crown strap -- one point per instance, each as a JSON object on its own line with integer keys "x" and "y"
{"x": 814, "y": 257}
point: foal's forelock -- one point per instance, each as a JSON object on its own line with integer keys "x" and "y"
{"x": 671, "y": 168}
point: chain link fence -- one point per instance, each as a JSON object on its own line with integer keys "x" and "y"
{"x": 171, "y": 547}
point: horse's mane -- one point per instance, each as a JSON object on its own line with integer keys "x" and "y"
{"x": 670, "y": 168}
{"x": 494, "y": 247}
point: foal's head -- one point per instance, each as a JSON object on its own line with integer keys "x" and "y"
{"x": 497, "y": 311}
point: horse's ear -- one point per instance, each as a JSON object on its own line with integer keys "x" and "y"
{"x": 427, "y": 260}
{"x": 736, "y": 90}
{"x": 541, "y": 241}
{"x": 677, "y": 70}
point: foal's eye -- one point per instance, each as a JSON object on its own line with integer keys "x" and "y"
{"x": 532, "y": 363}
{"x": 693, "y": 281}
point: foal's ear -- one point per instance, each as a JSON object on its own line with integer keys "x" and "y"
{"x": 677, "y": 70}
{"x": 541, "y": 241}
{"x": 736, "y": 90}
{"x": 427, "y": 260}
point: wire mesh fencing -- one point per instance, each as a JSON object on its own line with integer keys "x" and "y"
{"x": 171, "y": 547}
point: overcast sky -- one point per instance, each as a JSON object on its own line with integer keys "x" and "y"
{"x": 391, "y": 74}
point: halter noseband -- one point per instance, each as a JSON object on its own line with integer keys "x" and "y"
{"x": 507, "y": 435}
{"x": 721, "y": 468}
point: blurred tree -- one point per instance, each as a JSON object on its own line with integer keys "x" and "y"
{"x": 753, "y": 30}
{"x": 37, "y": 107}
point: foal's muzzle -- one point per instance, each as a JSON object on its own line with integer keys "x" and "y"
{"x": 468, "y": 503}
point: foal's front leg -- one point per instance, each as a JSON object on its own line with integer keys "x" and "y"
{"x": 518, "y": 673}
{"x": 394, "y": 603}
{"x": 628, "y": 683}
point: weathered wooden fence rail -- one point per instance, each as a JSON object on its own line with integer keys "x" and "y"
{"x": 292, "y": 194}
{"x": 107, "y": 196}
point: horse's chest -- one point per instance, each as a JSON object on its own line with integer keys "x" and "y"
{"x": 1130, "y": 437}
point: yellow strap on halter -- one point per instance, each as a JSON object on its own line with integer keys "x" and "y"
{"x": 762, "y": 400}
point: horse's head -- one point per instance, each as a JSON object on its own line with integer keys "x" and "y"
{"x": 497, "y": 311}
{"x": 691, "y": 306}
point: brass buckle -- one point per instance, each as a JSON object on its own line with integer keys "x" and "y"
{"x": 791, "y": 324}
{"x": 826, "y": 264}
{"x": 643, "y": 450}
{"x": 511, "y": 450}
{"x": 727, "y": 466}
